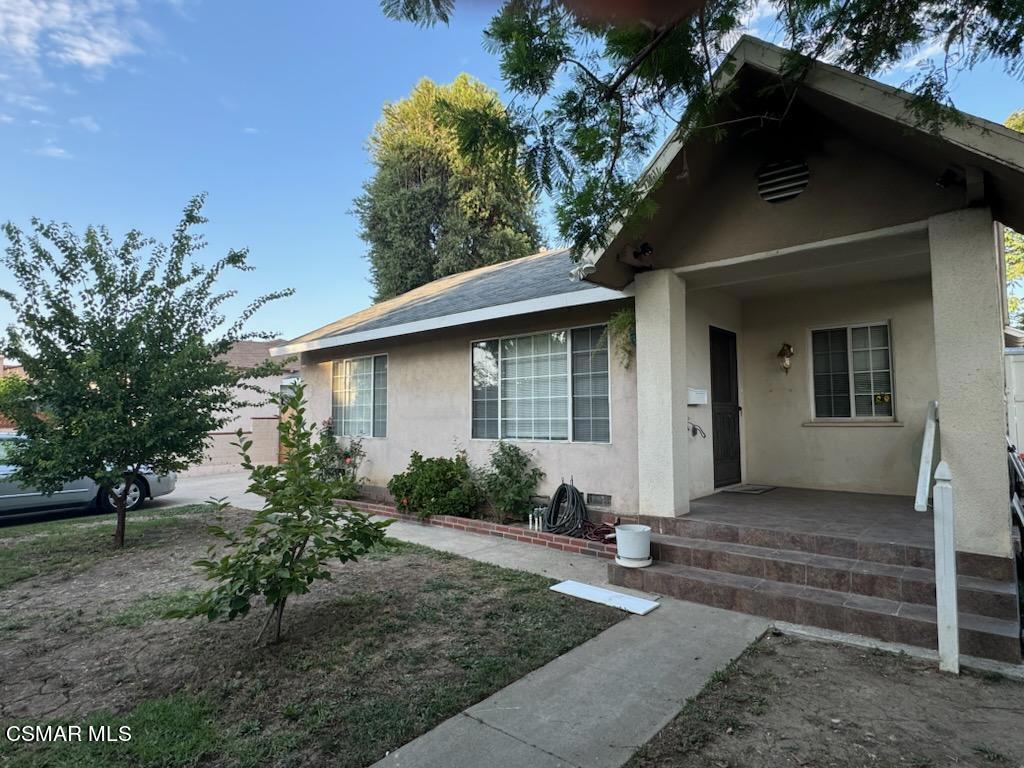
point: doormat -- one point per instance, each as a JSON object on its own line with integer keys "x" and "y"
{"x": 751, "y": 489}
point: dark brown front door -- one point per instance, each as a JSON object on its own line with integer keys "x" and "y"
{"x": 725, "y": 407}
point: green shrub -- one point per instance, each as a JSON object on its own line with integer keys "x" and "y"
{"x": 437, "y": 486}
{"x": 511, "y": 481}
{"x": 340, "y": 463}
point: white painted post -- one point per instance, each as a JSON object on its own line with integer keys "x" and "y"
{"x": 945, "y": 571}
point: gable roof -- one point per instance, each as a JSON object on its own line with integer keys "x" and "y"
{"x": 993, "y": 147}
{"x": 529, "y": 284}
{"x": 249, "y": 354}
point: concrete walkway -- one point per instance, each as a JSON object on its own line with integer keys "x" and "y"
{"x": 597, "y": 704}
{"x": 199, "y": 489}
{"x": 504, "y": 552}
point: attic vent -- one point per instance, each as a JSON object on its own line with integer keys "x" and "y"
{"x": 778, "y": 182}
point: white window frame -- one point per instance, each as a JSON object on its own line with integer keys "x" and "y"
{"x": 852, "y": 418}
{"x": 373, "y": 401}
{"x": 568, "y": 373}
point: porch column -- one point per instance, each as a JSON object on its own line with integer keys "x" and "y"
{"x": 968, "y": 306}
{"x": 663, "y": 450}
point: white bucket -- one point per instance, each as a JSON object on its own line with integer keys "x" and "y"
{"x": 633, "y": 545}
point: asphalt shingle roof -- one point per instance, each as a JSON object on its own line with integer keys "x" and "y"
{"x": 531, "y": 277}
{"x": 249, "y": 354}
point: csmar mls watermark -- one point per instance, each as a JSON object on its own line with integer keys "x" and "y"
{"x": 44, "y": 734}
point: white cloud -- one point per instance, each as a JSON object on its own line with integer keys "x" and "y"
{"x": 86, "y": 123}
{"x": 52, "y": 151}
{"x": 251, "y": 131}
{"x": 25, "y": 101}
{"x": 91, "y": 34}
{"x": 6, "y": 119}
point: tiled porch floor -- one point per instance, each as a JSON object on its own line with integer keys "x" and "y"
{"x": 865, "y": 516}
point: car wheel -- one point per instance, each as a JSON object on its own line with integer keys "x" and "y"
{"x": 136, "y": 497}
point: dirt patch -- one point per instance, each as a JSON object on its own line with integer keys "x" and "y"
{"x": 391, "y": 647}
{"x": 788, "y": 702}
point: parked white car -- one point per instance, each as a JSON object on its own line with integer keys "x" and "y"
{"x": 16, "y": 498}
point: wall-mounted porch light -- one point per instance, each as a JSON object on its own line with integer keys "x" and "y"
{"x": 786, "y": 357}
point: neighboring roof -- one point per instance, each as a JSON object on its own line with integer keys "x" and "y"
{"x": 530, "y": 284}
{"x": 992, "y": 146}
{"x": 249, "y": 354}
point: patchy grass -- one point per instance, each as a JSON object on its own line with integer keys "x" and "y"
{"x": 73, "y": 546}
{"x": 790, "y": 702}
{"x": 393, "y": 646}
{"x": 171, "y": 732}
{"x": 153, "y": 607}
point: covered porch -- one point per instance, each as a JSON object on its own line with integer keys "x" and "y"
{"x": 927, "y": 294}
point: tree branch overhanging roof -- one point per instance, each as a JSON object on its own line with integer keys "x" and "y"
{"x": 994, "y": 147}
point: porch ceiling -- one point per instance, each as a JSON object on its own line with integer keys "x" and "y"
{"x": 886, "y": 254}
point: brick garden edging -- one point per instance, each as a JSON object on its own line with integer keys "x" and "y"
{"x": 500, "y": 530}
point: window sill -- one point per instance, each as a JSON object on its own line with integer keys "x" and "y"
{"x": 852, "y": 423}
{"x": 532, "y": 441}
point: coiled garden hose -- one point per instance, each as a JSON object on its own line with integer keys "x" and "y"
{"x": 567, "y": 515}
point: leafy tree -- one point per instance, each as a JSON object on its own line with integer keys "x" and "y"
{"x": 1013, "y": 246}
{"x": 122, "y": 351}
{"x": 287, "y": 545}
{"x": 594, "y": 83}
{"x": 430, "y": 210}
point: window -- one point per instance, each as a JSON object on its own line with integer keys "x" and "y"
{"x": 590, "y": 385}
{"x": 852, "y": 372}
{"x": 539, "y": 387}
{"x": 360, "y": 390}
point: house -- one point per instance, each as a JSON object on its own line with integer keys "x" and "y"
{"x": 258, "y": 420}
{"x": 802, "y": 294}
{"x": 6, "y": 425}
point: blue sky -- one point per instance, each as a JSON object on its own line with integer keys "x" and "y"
{"x": 117, "y": 111}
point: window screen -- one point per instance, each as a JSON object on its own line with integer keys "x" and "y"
{"x": 872, "y": 370}
{"x": 831, "y": 373}
{"x": 859, "y": 354}
{"x": 485, "y": 389}
{"x": 523, "y": 389}
{"x": 361, "y": 396}
{"x": 534, "y": 393}
{"x": 380, "y": 396}
{"x": 590, "y": 385}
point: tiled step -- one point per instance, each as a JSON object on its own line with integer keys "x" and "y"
{"x": 902, "y": 583}
{"x": 830, "y": 544}
{"x": 890, "y": 620}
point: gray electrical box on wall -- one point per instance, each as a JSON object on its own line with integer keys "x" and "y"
{"x": 696, "y": 396}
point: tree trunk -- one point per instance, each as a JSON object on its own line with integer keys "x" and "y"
{"x": 280, "y": 614}
{"x": 119, "y": 508}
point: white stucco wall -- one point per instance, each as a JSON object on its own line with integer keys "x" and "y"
{"x": 663, "y": 444}
{"x": 972, "y": 402}
{"x": 429, "y": 407}
{"x": 780, "y": 444}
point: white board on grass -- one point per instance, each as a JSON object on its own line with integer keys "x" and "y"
{"x": 638, "y": 605}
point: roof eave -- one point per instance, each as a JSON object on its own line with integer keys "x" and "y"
{"x": 594, "y": 295}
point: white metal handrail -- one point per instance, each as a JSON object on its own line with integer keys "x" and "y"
{"x": 947, "y": 617}
{"x": 924, "y": 472}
